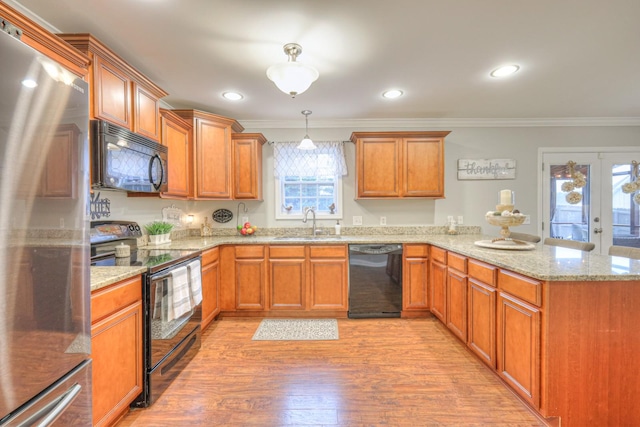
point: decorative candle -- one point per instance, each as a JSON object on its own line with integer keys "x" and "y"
{"x": 505, "y": 197}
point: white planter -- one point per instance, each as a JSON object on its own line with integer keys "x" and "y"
{"x": 158, "y": 239}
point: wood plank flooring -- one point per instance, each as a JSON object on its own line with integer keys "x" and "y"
{"x": 381, "y": 372}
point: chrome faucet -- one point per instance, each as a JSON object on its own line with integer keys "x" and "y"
{"x": 306, "y": 215}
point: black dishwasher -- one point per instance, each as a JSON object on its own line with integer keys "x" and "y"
{"x": 375, "y": 280}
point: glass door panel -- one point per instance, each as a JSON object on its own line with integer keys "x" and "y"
{"x": 624, "y": 212}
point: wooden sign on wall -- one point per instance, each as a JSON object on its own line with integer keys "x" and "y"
{"x": 486, "y": 169}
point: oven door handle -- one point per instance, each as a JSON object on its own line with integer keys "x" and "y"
{"x": 160, "y": 277}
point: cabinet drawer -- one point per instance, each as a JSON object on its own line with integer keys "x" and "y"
{"x": 438, "y": 254}
{"x": 250, "y": 251}
{"x": 416, "y": 251}
{"x": 482, "y": 272}
{"x": 108, "y": 300}
{"x": 519, "y": 286}
{"x": 286, "y": 252}
{"x": 332, "y": 251}
{"x": 210, "y": 256}
{"x": 456, "y": 261}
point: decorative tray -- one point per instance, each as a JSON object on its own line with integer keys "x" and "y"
{"x": 508, "y": 244}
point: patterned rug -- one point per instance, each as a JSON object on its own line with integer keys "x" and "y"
{"x": 296, "y": 329}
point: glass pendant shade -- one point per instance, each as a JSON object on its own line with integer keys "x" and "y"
{"x": 292, "y": 77}
{"x": 306, "y": 144}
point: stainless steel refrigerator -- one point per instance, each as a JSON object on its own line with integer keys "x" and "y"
{"x": 45, "y": 365}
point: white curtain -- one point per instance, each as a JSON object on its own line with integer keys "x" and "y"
{"x": 327, "y": 159}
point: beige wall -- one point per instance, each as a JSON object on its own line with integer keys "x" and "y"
{"x": 471, "y": 199}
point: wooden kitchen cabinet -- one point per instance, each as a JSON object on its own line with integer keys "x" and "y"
{"x": 415, "y": 279}
{"x": 118, "y": 92}
{"x": 438, "y": 282}
{"x": 176, "y": 136}
{"x": 210, "y": 289}
{"x": 328, "y": 277}
{"x": 116, "y": 349}
{"x": 250, "y": 271}
{"x": 518, "y": 334}
{"x": 246, "y": 165}
{"x": 212, "y": 154}
{"x": 481, "y": 328}
{"x": 287, "y": 285}
{"x": 399, "y": 164}
{"x": 456, "y": 300}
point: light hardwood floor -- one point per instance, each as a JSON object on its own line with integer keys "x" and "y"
{"x": 381, "y": 372}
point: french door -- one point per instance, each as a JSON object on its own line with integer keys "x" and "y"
{"x": 591, "y": 196}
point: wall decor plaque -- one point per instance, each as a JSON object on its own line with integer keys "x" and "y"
{"x": 222, "y": 215}
{"x": 486, "y": 169}
{"x": 173, "y": 215}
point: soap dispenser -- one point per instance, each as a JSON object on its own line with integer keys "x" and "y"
{"x": 338, "y": 228}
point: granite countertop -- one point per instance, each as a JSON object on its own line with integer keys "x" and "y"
{"x": 549, "y": 263}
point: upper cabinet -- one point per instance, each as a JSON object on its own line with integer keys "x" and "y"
{"x": 247, "y": 165}
{"x": 119, "y": 93}
{"x": 399, "y": 164}
{"x": 176, "y": 136}
{"x": 43, "y": 41}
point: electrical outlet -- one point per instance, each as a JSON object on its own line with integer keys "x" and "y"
{"x": 460, "y": 219}
{"x": 245, "y": 219}
{"x": 449, "y": 219}
{"x": 357, "y": 220}
{"x": 527, "y": 219}
{"x": 61, "y": 222}
{"x": 383, "y": 220}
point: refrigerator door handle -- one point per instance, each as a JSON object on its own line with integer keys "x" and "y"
{"x": 52, "y": 411}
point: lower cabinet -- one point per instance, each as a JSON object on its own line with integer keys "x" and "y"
{"x": 250, "y": 272}
{"x": 287, "y": 278}
{"x": 210, "y": 291}
{"x": 328, "y": 278}
{"x": 415, "y": 278}
{"x": 116, "y": 347}
{"x": 481, "y": 307}
{"x": 438, "y": 282}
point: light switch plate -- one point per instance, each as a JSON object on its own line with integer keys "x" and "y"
{"x": 357, "y": 220}
{"x": 460, "y": 219}
{"x": 383, "y": 220}
{"x": 527, "y": 219}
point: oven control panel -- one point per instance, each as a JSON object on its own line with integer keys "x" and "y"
{"x": 104, "y": 231}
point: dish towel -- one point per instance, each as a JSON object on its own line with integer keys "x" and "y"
{"x": 195, "y": 282}
{"x": 159, "y": 302}
{"x": 179, "y": 297}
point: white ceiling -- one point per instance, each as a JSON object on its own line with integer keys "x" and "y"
{"x": 578, "y": 58}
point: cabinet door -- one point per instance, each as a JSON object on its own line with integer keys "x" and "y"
{"x": 116, "y": 350}
{"x": 210, "y": 297}
{"x": 328, "y": 284}
{"x": 247, "y": 166}
{"x": 414, "y": 292}
{"x": 456, "y": 311}
{"x": 146, "y": 113}
{"x": 518, "y": 344}
{"x": 250, "y": 284}
{"x": 112, "y": 94}
{"x": 287, "y": 284}
{"x": 60, "y": 173}
{"x": 212, "y": 158}
{"x": 378, "y": 162}
{"x": 176, "y": 135}
{"x": 481, "y": 330}
{"x": 423, "y": 171}
{"x": 438, "y": 275}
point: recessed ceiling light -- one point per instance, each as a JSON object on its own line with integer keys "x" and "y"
{"x": 393, "y": 93}
{"x": 29, "y": 83}
{"x": 232, "y": 96}
{"x": 504, "y": 71}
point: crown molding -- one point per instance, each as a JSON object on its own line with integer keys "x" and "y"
{"x": 36, "y": 18}
{"x": 445, "y": 123}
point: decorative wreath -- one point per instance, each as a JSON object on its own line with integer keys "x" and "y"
{"x": 633, "y": 185}
{"x": 578, "y": 181}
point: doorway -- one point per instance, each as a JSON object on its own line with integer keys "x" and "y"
{"x": 592, "y": 196}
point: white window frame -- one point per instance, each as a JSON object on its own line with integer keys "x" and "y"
{"x": 300, "y": 215}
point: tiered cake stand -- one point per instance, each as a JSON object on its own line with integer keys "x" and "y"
{"x": 505, "y": 242}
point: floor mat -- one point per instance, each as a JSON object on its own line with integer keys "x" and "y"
{"x": 296, "y": 329}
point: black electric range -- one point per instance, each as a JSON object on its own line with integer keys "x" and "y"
{"x": 106, "y": 235}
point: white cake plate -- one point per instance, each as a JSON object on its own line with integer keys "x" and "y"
{"x": 508, "y": 244}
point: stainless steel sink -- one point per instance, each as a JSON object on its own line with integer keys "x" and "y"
{"x": 303, "y": 238}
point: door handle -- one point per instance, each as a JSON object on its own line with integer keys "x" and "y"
{"x": 597, "y": 230}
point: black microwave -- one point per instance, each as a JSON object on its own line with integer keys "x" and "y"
{"x": 123, "y": 160}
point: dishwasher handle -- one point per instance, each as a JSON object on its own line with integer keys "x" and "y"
{"x": 379, "y": 249}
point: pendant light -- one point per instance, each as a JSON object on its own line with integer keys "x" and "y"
{"x": 306, "y": 143}
{"x": 292, "y": 77}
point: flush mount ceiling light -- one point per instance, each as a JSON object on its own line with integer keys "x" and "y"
{"x": 292, "y": 77}
{"x": 306, "y": 143}
{"x": 504, "y": 71}
{"x": 232, "y": 96}
{"x": 393, "y": 93}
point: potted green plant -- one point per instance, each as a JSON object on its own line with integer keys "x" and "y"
{"x": 159, "y": 232}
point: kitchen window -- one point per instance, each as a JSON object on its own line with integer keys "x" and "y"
{"x": 309, "y": 178}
